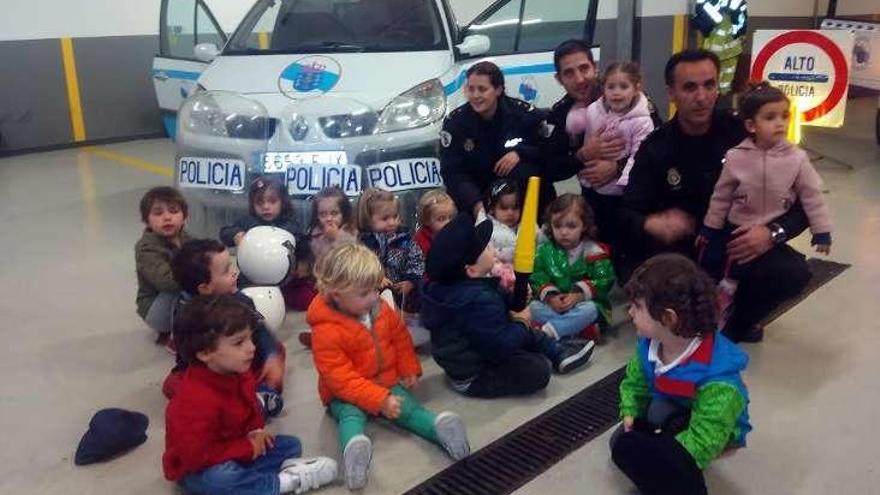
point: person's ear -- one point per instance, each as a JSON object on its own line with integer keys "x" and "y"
{"x": 669, "y": 318}
{"x": 204, "y": 355}
{"x": 750, "y": 125}
{"x": 204, "y": 289}
{"x": 558, "y": 79}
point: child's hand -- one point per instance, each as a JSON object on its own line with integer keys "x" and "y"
{"x": 525, "y": 314}
{"x": 260, "y": 441}
{"x": 573, "y": 298}
{"x": 273, "y": 372}
{"x": 236, "y": 239}
{"x": 628, "y": 423}
{"x": 330, "y": 230}
{"x": 404, "y": 287}
{"x": 391, "y": 406}
{"x": 409, "y": 381}
{"x": 823, "y": 248}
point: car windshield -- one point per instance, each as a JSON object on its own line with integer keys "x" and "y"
{"x": 326, "y": 26}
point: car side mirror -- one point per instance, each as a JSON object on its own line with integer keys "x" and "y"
{"x": 474, "y": 45}
{"x": 206, "y": 52}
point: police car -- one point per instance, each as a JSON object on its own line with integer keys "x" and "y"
{"x": 342, "y": 92}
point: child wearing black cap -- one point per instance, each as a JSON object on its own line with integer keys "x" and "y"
{"x": 215, "y": 441}
{"x": 485, "y": 349}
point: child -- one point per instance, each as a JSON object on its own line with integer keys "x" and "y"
{"x": 623, "y": 110}
{"x": 366, "y": 362}
{"x": 435, "y": 210}
{"x": 683, "y": 400}
{"x": 204, "y": 267}
{"x": 332, "y": 224}
{"x": 761, "y": 178}
{"x": 164, "y": 211}
{"x": 214, "y": 436}
{"x": 332, "y": 221}
{"x": 379, "y": 223}
{"x": 485, "y": 349}
{"x": 268, "y": 204}
{"x": 503, "y": 203}
{"x": 573, "y": 273}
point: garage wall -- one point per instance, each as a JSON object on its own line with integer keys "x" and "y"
{"x": 112, "y": 43}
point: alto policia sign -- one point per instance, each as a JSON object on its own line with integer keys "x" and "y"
{"x": 811, "y": 67}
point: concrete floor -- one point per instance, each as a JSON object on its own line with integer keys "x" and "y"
{"x": 73, "y": 344}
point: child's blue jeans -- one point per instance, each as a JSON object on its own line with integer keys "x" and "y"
{"x": 569, "y": 323}
{"x": 259, "y": 477}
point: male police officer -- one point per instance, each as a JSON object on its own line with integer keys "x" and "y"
{"x": 669, "y": 189}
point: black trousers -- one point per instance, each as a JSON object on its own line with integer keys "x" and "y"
{"x": 605, "y": 210}
{"x": 522, "y": 374}
{"x": 656, "y": 463}
{"x": 521, "y": 174}
{"x": 764, "y": 284}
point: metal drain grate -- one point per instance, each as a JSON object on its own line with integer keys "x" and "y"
{"x": 518, "y": 457}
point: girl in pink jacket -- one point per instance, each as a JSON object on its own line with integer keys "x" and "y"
{"x": 761, "y": 179}
{"x": 623, "y": 110}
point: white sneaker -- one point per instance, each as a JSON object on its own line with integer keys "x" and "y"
{"x": 302, "y": 475}
{"x": 452, "y": 435}
{"x": 356, "y": 461}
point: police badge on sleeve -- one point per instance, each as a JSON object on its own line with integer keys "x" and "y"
{"x": 445, "y": 139}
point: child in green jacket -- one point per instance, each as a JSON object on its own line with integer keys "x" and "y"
{"x": 573, "y": 272}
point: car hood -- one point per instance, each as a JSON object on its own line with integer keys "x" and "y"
{"x": 370, "y": 78}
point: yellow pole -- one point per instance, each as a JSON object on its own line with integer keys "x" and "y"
{"x": 794, "y": 123}
{"x": 77, "y": 123}
{"x": 524, "y": 252}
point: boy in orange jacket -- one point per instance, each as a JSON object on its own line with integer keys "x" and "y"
{"x": 366, "y": 362}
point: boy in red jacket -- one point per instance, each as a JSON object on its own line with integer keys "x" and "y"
{"x": 214, "y": 437}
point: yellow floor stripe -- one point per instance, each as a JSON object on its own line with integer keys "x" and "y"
{"x": 73, "y": 99}
{"x": 679, "y": 23}
{"x": 131, "y": 161}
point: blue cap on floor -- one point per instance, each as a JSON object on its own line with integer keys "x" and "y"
{"x": 111, "y": 432}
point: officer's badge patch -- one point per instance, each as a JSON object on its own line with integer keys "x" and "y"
{"x": 469, "y": 145}
{"x": 673, "y": 177}
{"x": 445, "y": 139}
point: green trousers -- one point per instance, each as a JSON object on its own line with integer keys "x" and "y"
{"x": 413, "y": 417}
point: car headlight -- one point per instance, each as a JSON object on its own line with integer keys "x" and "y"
{"x": 417, "y": 107}
{"x": 225, "y": 114}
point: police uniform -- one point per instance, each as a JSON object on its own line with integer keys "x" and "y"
{"x": 675, "y": 170}
{"x": 471, "y": 146}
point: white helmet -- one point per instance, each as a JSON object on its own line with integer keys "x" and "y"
{"x": 265, "y": 255}
{"x": 270, "y": 303}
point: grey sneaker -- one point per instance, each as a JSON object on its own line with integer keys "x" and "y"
{"x": 309, "y": 474}
{"x": 356, "y": 461}
{"x": 452, "y": 435}
{"x": 574, "y": 354}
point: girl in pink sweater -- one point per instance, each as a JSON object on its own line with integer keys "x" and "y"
{"x": 623, "y": 110}
{"x": 761, "y": 179}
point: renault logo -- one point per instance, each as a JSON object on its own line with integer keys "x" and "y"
{"x": 299, "y": 128}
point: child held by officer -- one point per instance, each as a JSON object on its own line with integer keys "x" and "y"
{"x": 215, "y": 436}
{"x": 366, "y": 362}
{"x": 164, "y": 211}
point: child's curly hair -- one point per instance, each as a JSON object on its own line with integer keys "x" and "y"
{"x": 571, "y": 202}
{"x": 205, "y": 319}
{"x": 672, "y": 281}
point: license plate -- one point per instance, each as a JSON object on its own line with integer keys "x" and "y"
{"x": 403, "y": 175}
{"x": 281, "y": 161}
{"x": 211, "y": 173}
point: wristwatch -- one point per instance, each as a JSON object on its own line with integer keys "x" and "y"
{"x": 777, "y": 233}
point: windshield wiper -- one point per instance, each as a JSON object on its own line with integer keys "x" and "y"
{"x": 330, "y": 45}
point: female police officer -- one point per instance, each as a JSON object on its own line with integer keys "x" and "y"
{"x": 489, "y": 137}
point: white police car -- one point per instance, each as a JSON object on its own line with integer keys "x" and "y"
{"x": 343, "y": 92}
